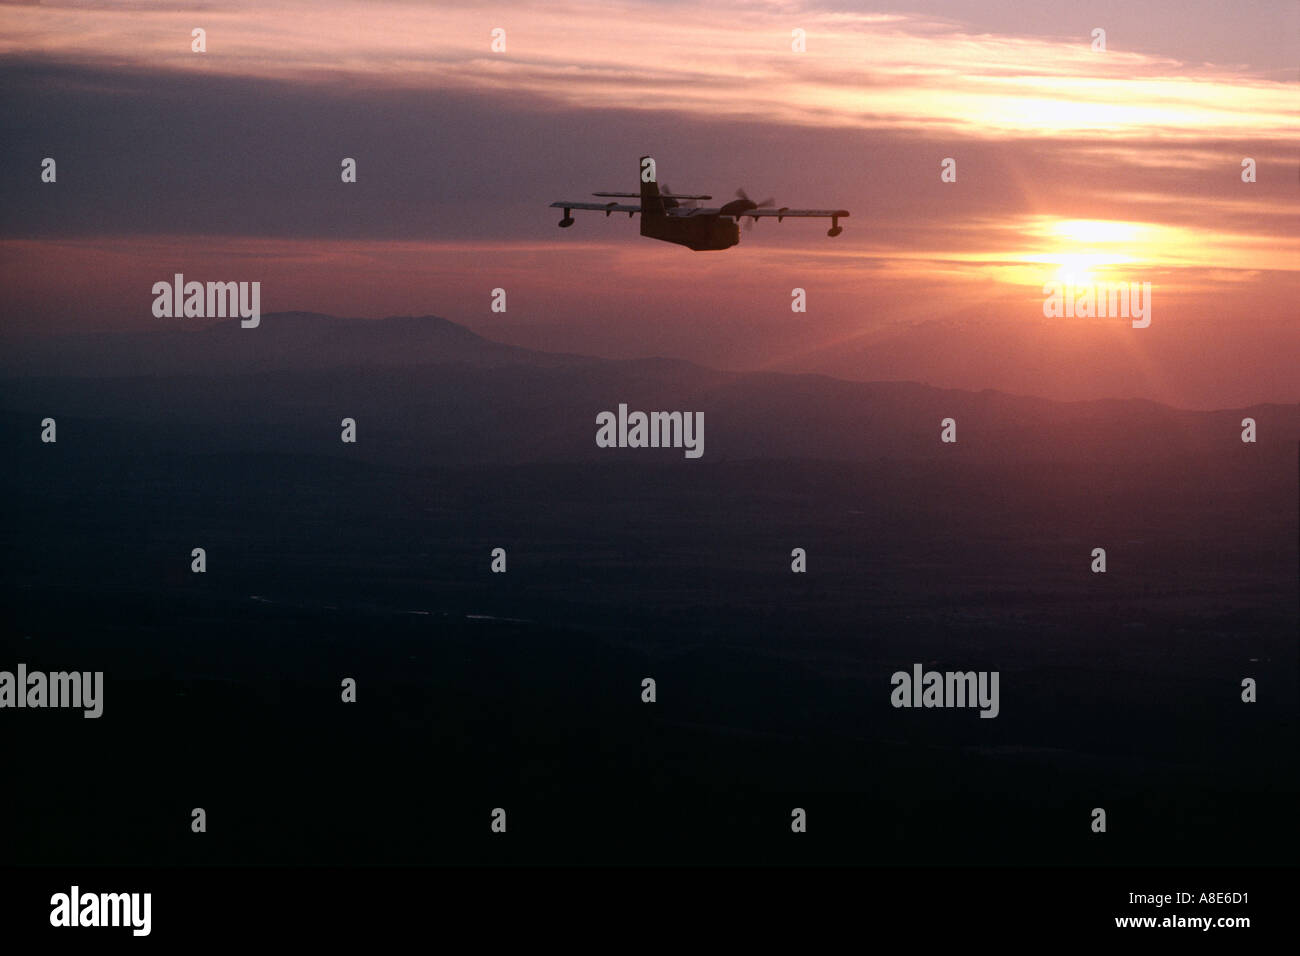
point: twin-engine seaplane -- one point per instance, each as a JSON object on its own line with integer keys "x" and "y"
{"x": 677, "y": 217}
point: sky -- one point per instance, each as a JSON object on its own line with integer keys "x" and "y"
{"x": 1073, "y": 164}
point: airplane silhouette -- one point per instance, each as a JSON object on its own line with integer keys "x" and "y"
{"x": 664, "y": 216}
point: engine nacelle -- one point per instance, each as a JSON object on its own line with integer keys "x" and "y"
{"x": 737, "y": 206}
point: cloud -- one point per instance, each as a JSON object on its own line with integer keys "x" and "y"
{"x": 726, "y": 59}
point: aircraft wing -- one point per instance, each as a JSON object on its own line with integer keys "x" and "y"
{"x": 685, "y": 212}
{"x": 605, "y": 207}
{"x": 785, "y": 213}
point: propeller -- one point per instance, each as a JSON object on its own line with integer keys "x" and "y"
{"x": 766, "y": 203}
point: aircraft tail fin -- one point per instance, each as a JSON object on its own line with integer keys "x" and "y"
{"x": 652, "y": 204}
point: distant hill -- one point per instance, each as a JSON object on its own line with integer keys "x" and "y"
{"x": 425, "y": 390}
{"x": 283, "y": 340}
{"x": 1183, "y": 360}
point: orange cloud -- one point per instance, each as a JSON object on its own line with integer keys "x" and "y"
{"x": 725, "y": 59}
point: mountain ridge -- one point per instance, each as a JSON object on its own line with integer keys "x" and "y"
{"x": 391, "y": 341}
{"x": 426, "y": 390}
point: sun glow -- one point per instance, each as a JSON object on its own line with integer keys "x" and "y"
{"x": 1087, "y": 248}
{"x": 1077, "y": 270}
{"x": 1097, "y": 231}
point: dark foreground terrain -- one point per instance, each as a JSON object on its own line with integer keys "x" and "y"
{"x": 222, "y": 691}
{"x": 523, "y": 690}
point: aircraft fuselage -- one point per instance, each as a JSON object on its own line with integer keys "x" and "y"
{"x": 699, "y": 233}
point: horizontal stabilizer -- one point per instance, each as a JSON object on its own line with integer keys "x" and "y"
{"x": 665, "y": 195}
